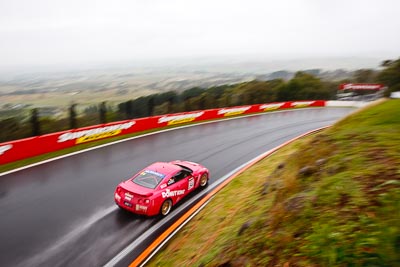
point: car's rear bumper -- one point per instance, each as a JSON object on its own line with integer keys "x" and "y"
{"x": 136, "y": 208}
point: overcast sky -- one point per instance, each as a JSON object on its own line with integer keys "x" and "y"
{"x": 51, "y": 32}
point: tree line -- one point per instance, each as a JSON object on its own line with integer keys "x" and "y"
{"x": 303, "y": 86}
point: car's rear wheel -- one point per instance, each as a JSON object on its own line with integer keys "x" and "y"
{"x": 166, "y": 207}
{"x": 203, "y": 180}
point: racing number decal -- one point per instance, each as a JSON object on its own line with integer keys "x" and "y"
{"x": 191, "y": 183}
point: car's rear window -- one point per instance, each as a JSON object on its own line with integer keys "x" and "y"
{"x": 148, "y": 178}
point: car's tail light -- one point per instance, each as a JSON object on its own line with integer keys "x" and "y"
{"x": 119, "y": 189}
{"x": 145, "y": 201}
{"x": 118, "y": 193}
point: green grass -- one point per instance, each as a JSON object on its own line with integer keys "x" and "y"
{"x": 344, "y": 210}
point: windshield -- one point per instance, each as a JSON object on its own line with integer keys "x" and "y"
{"x": 148, "y": 178}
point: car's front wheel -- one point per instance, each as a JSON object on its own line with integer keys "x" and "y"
{"x": 204, "y": 180}
{"x": 166, "y": 207}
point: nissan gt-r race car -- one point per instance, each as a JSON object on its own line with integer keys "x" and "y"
{"x": 158, "y": 187}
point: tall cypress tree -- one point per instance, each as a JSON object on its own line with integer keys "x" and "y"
{"x": 103, "y": 112}
{"x": 129, "y": 109}
{"x": 186, "y": 104}
{"x": 72, "y": 117}
{"x": 150, "y": 106}
{"x": 35, "y": 122}
{"x": 170, "y": 104}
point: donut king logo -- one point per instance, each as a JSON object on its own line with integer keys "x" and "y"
{"x": 174, "y": 193}
{"x": 177, "y": 119}
{"x": 268, "y": 107}
{"x": 96, "y": 133}
{"x": 233, "y": 111}
{"x": 302, "y": 104}
{"x": 4, "y": 148}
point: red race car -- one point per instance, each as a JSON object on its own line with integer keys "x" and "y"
{"x": 158, "y": 187}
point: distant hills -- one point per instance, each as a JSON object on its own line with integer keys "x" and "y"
{"x": 118, "y": 82}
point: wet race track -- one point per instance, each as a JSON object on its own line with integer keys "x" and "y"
{"x": 62, "y": 213}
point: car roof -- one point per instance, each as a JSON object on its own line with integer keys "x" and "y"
{"x": 164, "y": 168}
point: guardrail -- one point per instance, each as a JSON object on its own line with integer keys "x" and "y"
{"x": 38, "y": 145}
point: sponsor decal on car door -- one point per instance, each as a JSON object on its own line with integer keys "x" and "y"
{"x": 190, "y": 183}
{"x": 183, "y": 187}
{"x": 175, "y": 191}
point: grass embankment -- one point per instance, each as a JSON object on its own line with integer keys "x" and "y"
{"x": 332, "y": 199}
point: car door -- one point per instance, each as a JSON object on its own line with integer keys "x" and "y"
{"x": 181, "y": 184}
{"x": 174, "y": 188}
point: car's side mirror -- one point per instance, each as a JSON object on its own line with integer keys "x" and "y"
{"x": 171, "y": 181}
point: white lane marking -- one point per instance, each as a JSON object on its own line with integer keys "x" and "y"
{"x": 144, "y": 135}
{"x": 40, "y": 258}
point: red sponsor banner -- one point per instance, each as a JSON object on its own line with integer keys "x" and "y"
{"x": 30, "y": 147}
{"x": 235, "y": 111}
{"x": 274, "y": 106}
{"x": 361, "y": 86}
{"x": 19, "y": 149}
{"x": 179, "y": 118}
{"x": 96, "y": 132}
{"x": 303, "y": 104}
{"x": 291, "y": 104}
